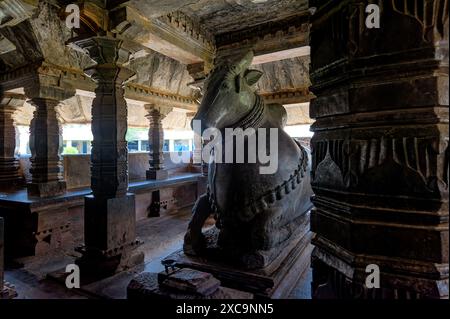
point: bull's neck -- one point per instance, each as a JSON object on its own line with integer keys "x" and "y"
{"x": 254, "y": 116}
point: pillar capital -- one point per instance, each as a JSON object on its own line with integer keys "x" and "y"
{"x": 111, "y": 56}
{"x": 46, "y": 83}
{"x": 161, "y": 111}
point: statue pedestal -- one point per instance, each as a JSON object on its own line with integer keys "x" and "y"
{"x": 275, "y": 281}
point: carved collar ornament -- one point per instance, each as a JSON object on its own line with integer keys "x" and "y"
{"x": 254, "y": 118}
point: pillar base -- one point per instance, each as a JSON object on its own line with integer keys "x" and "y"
{"x": 110, "y": 240}
{"x": 46, "y": 189}
{"x": 157, "y": 174}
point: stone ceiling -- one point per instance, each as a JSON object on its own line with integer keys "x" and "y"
{"x": 43, "y": 35}
{"x": 223, "y": 16}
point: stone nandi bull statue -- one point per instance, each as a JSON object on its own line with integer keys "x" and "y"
{"x": 256, "y": 214}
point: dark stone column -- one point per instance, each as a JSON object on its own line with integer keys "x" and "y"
{"x": 45, "y": 93}
{"x": 9, "y": 163}
{"x": 380, "y": 149}
{"x": 45, "y": 146}
{"x": 110, "y": 237}
{"x": 156, "y": 141}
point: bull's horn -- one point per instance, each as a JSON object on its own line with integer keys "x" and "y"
{"x": 244, "y": 63}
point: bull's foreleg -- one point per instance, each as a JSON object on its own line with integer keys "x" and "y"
{"x": 194, "y": 240}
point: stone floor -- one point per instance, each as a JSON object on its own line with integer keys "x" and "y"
{"x": 161, "y": 235}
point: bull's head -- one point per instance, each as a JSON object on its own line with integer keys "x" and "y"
{"x": 229, "y": 94}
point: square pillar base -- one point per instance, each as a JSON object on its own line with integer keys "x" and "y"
{"x": 110, "y": 237}
{"x": 157, "y": 174}
{"x": 48, "y": 189}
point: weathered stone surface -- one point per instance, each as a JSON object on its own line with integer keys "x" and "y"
{"x": 225, "y": 16}
{"x": 145, "y": 287}
{"x": 189, "y": 281}
{"x": 380, "y": 150}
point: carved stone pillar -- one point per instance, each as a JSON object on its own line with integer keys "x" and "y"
{"x": 110, "y": 220}
{"x": 155, "y": 116}
{"x": 7, "y": 291}
{"x": 9, "y": 163}
{"x": 380, "y": 149}
{"x": 45, "y": 94}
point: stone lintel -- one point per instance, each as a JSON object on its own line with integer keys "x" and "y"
{"x": 271, "y": 41}
{"x": 16, "y": 11}
{"x": 174, "y": 35}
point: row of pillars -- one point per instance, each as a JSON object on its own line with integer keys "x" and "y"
{"x": 109, "y": 224}
{"x": 46, "y": 143}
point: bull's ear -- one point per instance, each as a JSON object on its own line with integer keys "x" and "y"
{"x": 252, "y": 76}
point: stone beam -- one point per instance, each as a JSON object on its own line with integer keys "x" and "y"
{"x": 174, "y": 35}
{"x": 13, "y": 12}
{"x": 73, "y": 78}
{"x": 271, "y": 41}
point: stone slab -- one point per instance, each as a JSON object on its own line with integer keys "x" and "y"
{"x": 146, "y": 287}
{"x": 189, "y": 281}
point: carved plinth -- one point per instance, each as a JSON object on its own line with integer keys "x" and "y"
{"x": 110, "y": 238}
{"x": 274, "y": 281}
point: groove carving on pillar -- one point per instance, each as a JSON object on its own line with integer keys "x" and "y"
{"x": 380, "y": 149}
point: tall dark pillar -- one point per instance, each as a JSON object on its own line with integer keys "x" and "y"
{"x": 45, "y": 93}
{"x": 9, "y": 163}
{"x": 155, "y": 116}
{"x": 110, "y": 220}
{"x": 380, "y": 149}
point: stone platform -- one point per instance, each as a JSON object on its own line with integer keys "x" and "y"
{"x": 275, "y": 281}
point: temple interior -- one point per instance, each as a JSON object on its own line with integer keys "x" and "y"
{"x": 102, "y": 170}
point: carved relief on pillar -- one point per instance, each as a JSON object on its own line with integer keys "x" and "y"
{"x": 155, "y": 116}
{"x": 9, "y": 163}
{"x": 380, "y": 149}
